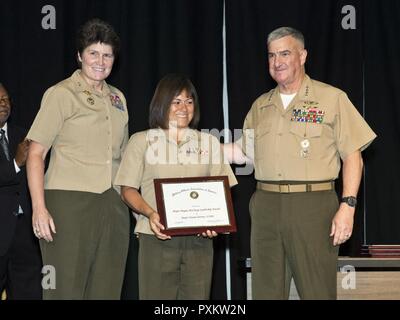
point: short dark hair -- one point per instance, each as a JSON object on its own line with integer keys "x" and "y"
{"x": 167, "y": 89}
{"x": 95, "y": 31}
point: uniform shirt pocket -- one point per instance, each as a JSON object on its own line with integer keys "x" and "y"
{"x": 311, "y": 132}
{"x": 306, "y": 130}
{"x": 262, "y": 139}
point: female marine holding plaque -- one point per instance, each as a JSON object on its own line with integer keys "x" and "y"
{"x": 170, "y": 267}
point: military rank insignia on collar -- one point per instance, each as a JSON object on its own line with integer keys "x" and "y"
{"x": 309, "y": 115}
{"x": 116, "y": 102}
{"x": 90, "y": 100}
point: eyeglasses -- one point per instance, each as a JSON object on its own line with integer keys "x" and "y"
{"x": 5, "y": 100}
{"x": 179, "y": 102}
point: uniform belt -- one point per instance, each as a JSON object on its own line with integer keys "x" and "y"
{"x": 290, "y": 188}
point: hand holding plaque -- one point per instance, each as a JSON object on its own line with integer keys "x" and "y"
{"x": 157, "y": 227}
{"x": 194, "y": 205}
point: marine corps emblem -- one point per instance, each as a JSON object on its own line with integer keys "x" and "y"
{"x": 90, "y": 100}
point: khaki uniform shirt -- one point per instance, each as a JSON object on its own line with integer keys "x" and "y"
{"x": 306, "y": 141}
{"x": 87, "y": 131}
{"x": 151, "y": 155}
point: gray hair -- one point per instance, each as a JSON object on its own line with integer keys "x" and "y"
{"x": 283, "y": 32}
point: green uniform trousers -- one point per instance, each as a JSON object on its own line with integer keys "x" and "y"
{"x": 90, "y": 247}
{"x": 290, "y": 238}
{"x": 176, "y": 269}
{"x": 130, "y": 287}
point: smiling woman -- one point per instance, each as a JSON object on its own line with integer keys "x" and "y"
{"x": 97, "y": 46}
{"x": 97, "y": 61}
{"x": 85, "y": 122}
{"x": 170, "y": 267}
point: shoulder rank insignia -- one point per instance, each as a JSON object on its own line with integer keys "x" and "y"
{"x": 116, "y": 102}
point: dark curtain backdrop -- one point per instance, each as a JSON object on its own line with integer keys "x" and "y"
{"x": 382, "y": 103}
{"x": 157, "y": 37}
{"x": 162, "y": 36}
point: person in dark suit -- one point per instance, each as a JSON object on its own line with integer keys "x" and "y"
{"x": 20, "y": 260}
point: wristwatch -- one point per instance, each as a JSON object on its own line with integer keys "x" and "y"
{"x": 350, "y": 201}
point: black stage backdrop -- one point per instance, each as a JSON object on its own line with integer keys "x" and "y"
{"x": 382, "y": 104}
{"x": 157, "y": 37}
{"x": 351, "y": 44}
